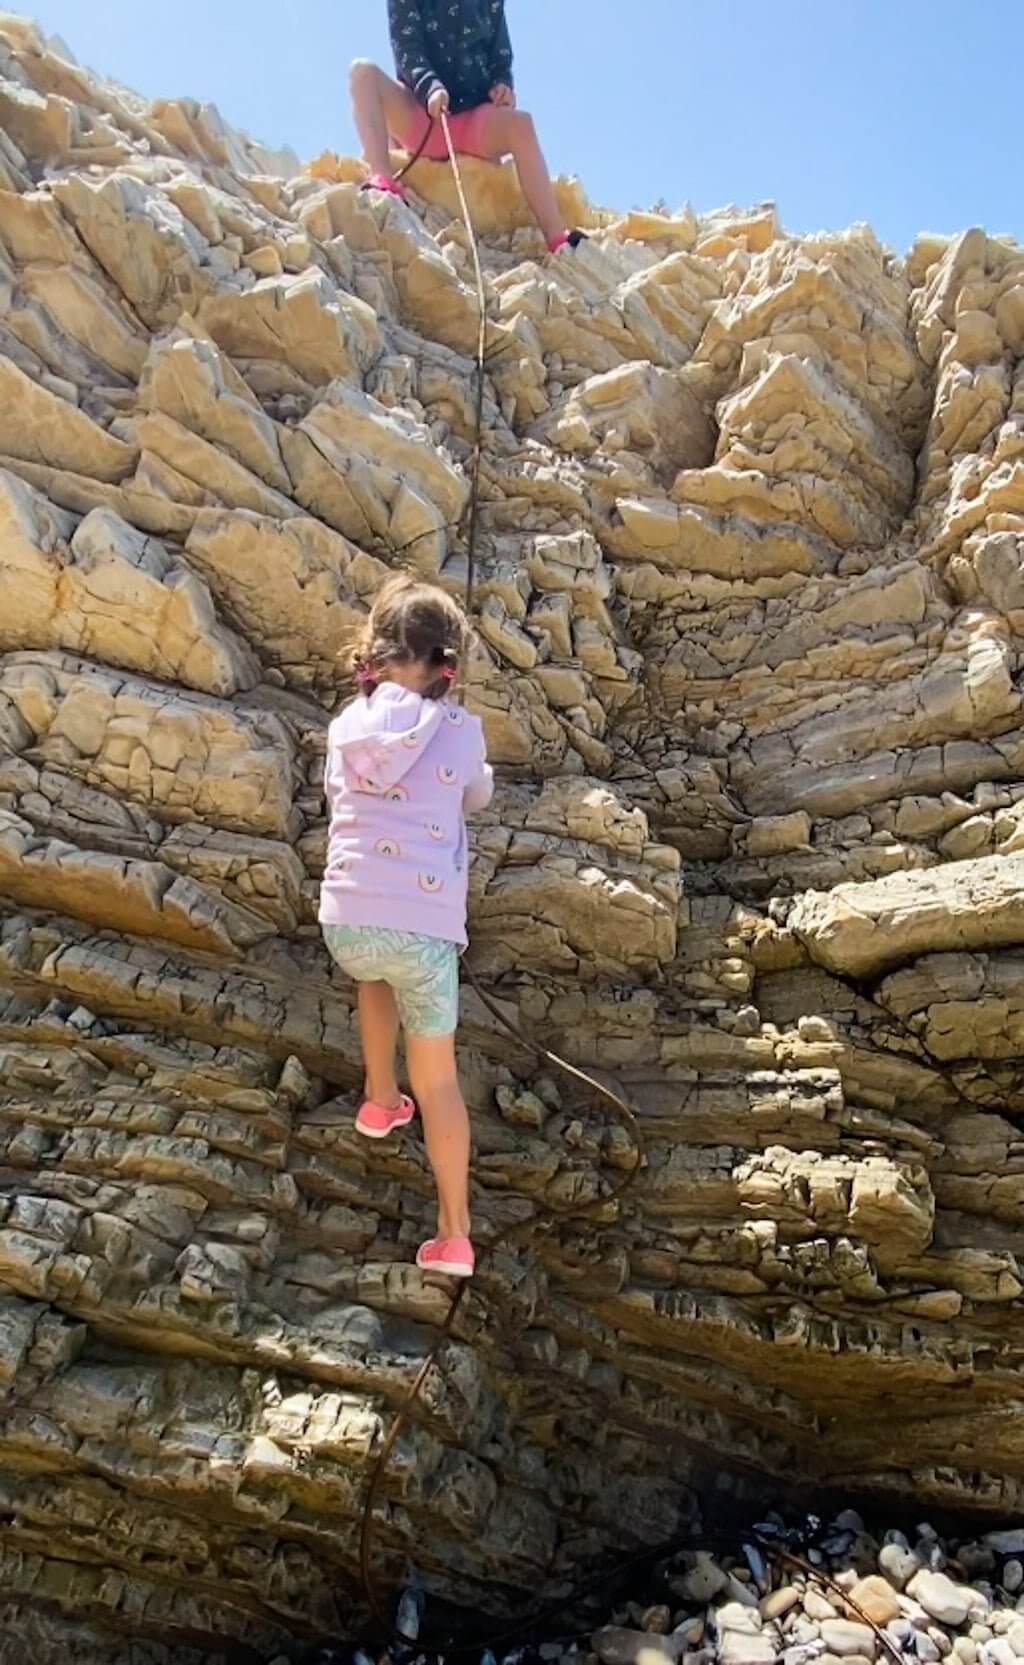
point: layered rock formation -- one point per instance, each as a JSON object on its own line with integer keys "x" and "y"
{"x": 751, "y": 615}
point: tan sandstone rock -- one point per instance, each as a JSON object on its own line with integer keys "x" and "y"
{"x": 749, "y": 601}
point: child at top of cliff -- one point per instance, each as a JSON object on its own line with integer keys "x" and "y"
{"x": 405, "y": 764}
{"x": 456, "y": 56}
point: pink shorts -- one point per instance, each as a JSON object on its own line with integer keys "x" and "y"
{"x": 468, "y": 130}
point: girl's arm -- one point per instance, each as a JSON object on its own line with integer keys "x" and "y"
{"x": 501, "y": 53}
{"x": 479, "y": 789}
{"x": 409, "y": 45}
{"x": 479, "y": 792}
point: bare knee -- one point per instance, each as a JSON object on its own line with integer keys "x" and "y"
{"x": 435, "y": 1091}
{"x": 522, "y": 132}
{"x": 362, "y": 75}
{"x": 433, "y": 1072}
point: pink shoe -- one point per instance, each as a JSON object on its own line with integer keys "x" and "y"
{"x": 451, "y": 1255}
{"x": 383, "y": 182}
{"x": 566, "y": 240}
{"x": 376, "y": 1122}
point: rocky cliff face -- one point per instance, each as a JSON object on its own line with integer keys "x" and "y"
{"x": 752, "y": 615}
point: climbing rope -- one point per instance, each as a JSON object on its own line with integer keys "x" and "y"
{"x": 481, "y": 359}
{"x": 546, "y": 1214}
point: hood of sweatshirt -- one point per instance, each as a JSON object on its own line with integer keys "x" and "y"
{"x": 380, "y": 737}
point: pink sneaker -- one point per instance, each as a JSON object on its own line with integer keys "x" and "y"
{"x": 383, "y": 182}
{"x": 451, "y": 1255}
{"x": 376, "y": 1122}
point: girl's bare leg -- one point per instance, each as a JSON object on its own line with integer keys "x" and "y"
{"x": 435, "y": 1085}
{"x": 512, "y": 133}
{"x": 378, "y": 1031}
{"x": 381, "y": 107}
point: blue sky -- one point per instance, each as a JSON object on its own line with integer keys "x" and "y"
{"x": 904, "y": 113}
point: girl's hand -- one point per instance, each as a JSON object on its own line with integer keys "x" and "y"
{"x": 503, "y": 96}
{"x": 437, "y": 102}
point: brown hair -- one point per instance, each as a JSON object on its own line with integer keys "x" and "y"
{"x": 412, "y": 623}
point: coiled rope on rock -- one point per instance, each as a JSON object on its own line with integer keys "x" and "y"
{"x": 546, "y": 1214}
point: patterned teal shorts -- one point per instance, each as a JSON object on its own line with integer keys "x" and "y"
{"x": 422, "y": 971}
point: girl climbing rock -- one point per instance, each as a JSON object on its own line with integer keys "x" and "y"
{"x": 405, "y": 764}
{"x": 455, "y": 56}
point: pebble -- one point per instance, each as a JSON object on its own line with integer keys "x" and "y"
{"x": 704, "y": 1580}
{"x": 803, "y": 1653}
{"x": 899, "y": 1563}
{"x": 863, "y": 1556}
{"x": 817, "y": 1607}
{"x": 657, "y": 1620}
{"x": 738, "y": 1647}
{"x": 935, "y": 1601}
{"x": 804, "y": 1629}
{"x": 975, "y": 1559}
{"x": 939, "y": 1596}
{"x": 617, "y": 1646}
{"x": 737, "y": 1616}
{"x": 876, "y": 1598}
{"x": 410, "y": 1612}
{"x": 837, "y": 1544}
{"x": 780, "y": 1602}
{"x": 745, "y": 1595}
{"x": 913, "y": 1611}
{"x": 758, "y": 1570}
{"x": 846, "y": 1637}
{"x": 998, "y": 1652}
{"x": 691, "y": 1630}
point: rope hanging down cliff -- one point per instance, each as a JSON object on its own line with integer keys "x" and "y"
{"x": 545, "y": 1214}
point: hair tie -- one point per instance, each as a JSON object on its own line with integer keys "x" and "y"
{"x": 448, "y": 673}
{"x": 364, "y": 676}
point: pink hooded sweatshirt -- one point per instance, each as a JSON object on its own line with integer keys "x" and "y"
{"x": 402, "y": 771}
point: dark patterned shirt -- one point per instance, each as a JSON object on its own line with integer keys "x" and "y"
{"x": 462, "y": 45}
